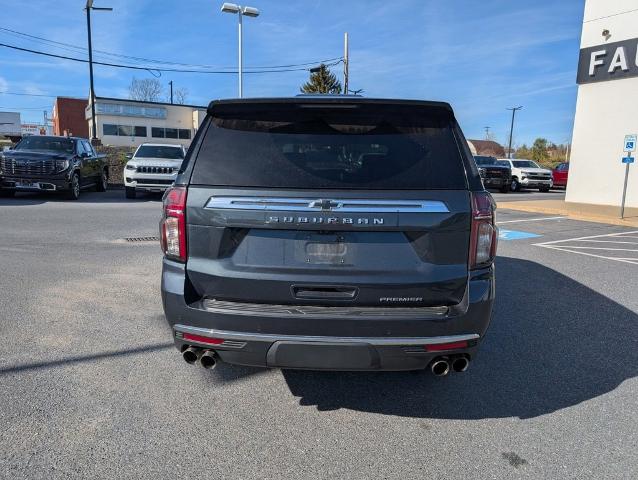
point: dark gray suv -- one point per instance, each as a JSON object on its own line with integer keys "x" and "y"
{"x": 329, "y": 233}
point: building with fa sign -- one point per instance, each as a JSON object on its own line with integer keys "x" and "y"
{"x": 121, "y": 122}
{"x": 607, "y": 104}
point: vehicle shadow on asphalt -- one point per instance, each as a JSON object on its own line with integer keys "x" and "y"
{"x": 553, "y": 343}
{"x": 94, "y": 357}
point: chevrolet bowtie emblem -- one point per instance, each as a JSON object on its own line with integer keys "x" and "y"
{"x": 325, "y": 205}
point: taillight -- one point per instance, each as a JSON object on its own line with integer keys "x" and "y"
{"x": 484, "y": 233}
{"x": 173, "y": 224}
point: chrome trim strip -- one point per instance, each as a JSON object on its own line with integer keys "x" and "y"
{"x": 341, "y": 311}
{"x": 329, "y": 205}
{"x": 266, "y": 337}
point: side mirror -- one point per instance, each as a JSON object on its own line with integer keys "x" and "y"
{"x": 129, "y": 156}
{"x": 84, "y": 155}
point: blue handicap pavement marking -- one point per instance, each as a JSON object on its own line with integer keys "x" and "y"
{"x": 515, "y": 235}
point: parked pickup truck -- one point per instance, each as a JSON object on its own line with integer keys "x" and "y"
{"x": 492, "y": 174}
{"x": 527, "y": 174}
{"x": 52, "y": 164}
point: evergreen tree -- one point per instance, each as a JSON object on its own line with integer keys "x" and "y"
{"x": 322, "y": 81}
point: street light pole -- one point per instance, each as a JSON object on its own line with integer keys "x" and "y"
{"x": 346, "y": 64}
{"x": 509, "y": 149}
{"x": 241, "y": 57}
{"x": 171, "y": 84}
{"x": 89, "y": 7}
{"x": 240, "y": 11}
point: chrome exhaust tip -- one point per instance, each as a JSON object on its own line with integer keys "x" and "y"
{"x": 208, "y": 359}
{"x": 440, "y": 367}
{"x": 192, "y": 354}
{"x": 460, "y": 364}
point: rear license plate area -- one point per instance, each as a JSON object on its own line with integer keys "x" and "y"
{"x": 322, "y": 356}
{"x": 324, "y": 249}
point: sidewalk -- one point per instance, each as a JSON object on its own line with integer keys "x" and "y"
{"x": 578, "y": 211}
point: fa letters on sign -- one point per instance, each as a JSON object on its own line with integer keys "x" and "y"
{"x": 608, "y": 62}
{"x": 619, "y": 60}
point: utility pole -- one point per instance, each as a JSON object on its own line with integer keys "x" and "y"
{"x": 567, "y": 151}
{"x": 345, "y": 63}
{"x": 487, "y": 133}
{"x": 509, "y": 149}
{"x": 89, "y": 7}
{"x": 171, "y": 84}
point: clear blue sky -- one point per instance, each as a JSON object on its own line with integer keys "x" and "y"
{"x": 481, "y": 56}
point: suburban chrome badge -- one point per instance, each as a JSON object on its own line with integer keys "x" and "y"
{"x": 326, "y": 220}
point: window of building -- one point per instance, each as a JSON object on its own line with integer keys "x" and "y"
{"x": 171, "y": 132}
{"x": 108, "y": 129}
{"x": 157, "y": 132}
{"x": 184, "y": 134}
{"x": 124, "y": 130}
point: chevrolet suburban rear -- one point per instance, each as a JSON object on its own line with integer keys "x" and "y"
{"x": 329, "y": 233}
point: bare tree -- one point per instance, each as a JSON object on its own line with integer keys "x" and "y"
{"x": 180, "y": 96}
{"x": 146, "y": 89}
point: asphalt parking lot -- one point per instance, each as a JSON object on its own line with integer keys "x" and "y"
{"x": 91, "y": 386}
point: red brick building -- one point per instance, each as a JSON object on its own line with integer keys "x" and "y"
{"x": 69, "y": 117}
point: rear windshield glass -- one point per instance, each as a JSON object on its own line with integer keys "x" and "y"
{"x": 311, "y": 146}
{"x": 524, "y": 164}
{"x": 155, "y": 151}
{"x": 483, "y": 160}
{"x": 53, "y": 144}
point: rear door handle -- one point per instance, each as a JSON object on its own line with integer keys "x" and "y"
{"x": 322, "y": 292}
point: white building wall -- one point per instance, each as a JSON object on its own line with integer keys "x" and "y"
{"x": 177, "y": 116}
{"x": 605, "y": 112}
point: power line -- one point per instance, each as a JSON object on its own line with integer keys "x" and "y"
{"x": 28, "y": 94}
{"x": 75, "y": 48}
{"x": 149, "y": 68}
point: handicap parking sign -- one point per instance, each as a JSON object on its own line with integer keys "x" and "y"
{"x": 630, "y": 143}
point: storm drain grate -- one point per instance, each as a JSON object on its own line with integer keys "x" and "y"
{"x": 141, "y": 239}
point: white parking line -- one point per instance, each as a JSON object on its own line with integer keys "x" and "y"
{"x": 530, "y": 220}
{"x": 568, "y": 245}
{"x": 583, "y": 238}
{"x": 609, "y": 241}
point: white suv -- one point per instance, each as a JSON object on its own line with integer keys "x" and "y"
{"x": 152, "y": 168}
{"x": 527, "y": 173}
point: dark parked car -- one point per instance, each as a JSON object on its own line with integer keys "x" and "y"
{"x": 330, "y": 233}
{"x": 492, "y": 174}
{"x": 52, "y": 164}
{"x": 560, "y": 175}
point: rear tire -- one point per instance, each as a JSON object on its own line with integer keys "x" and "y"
{"x": 7, "y": 193}
{"x": 130, "y": 192}
{"x": 74, "y": 188}
{"x": 103, "y": 182}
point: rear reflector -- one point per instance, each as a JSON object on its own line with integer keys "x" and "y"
{"x": 200, "y": 339}
{"x": 438, "y": 347}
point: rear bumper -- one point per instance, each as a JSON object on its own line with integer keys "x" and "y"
{"x": 322, "y": 343}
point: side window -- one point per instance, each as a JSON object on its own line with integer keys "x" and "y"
{"x": 79, "y": 148}
{"x": 88, "y": 148}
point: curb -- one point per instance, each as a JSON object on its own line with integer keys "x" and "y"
{"x": 573, "y": 215}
